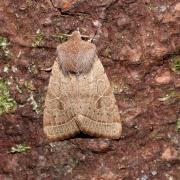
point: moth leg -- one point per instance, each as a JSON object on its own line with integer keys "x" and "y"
{"x": 91, "y": 127}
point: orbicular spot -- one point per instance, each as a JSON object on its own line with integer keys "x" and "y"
{"x": 60, "y": 105}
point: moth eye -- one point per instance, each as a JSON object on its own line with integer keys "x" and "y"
{"x": 60, "y": 105}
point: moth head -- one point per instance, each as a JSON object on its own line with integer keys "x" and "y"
{"x": 76, "y": 55}
{"x": 75, "y": 36}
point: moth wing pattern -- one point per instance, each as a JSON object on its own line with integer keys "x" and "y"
{"x": 83, "y": 103}
{"x": 98, "y": 115}
{"x": 58, "y": 123}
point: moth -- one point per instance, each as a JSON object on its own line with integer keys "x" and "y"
{"x": 79, "y": 96}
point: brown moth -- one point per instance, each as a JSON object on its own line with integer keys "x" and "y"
{"x": 79, "y": 96}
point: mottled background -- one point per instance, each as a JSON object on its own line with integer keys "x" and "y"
{"x": 138, "y": 42}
